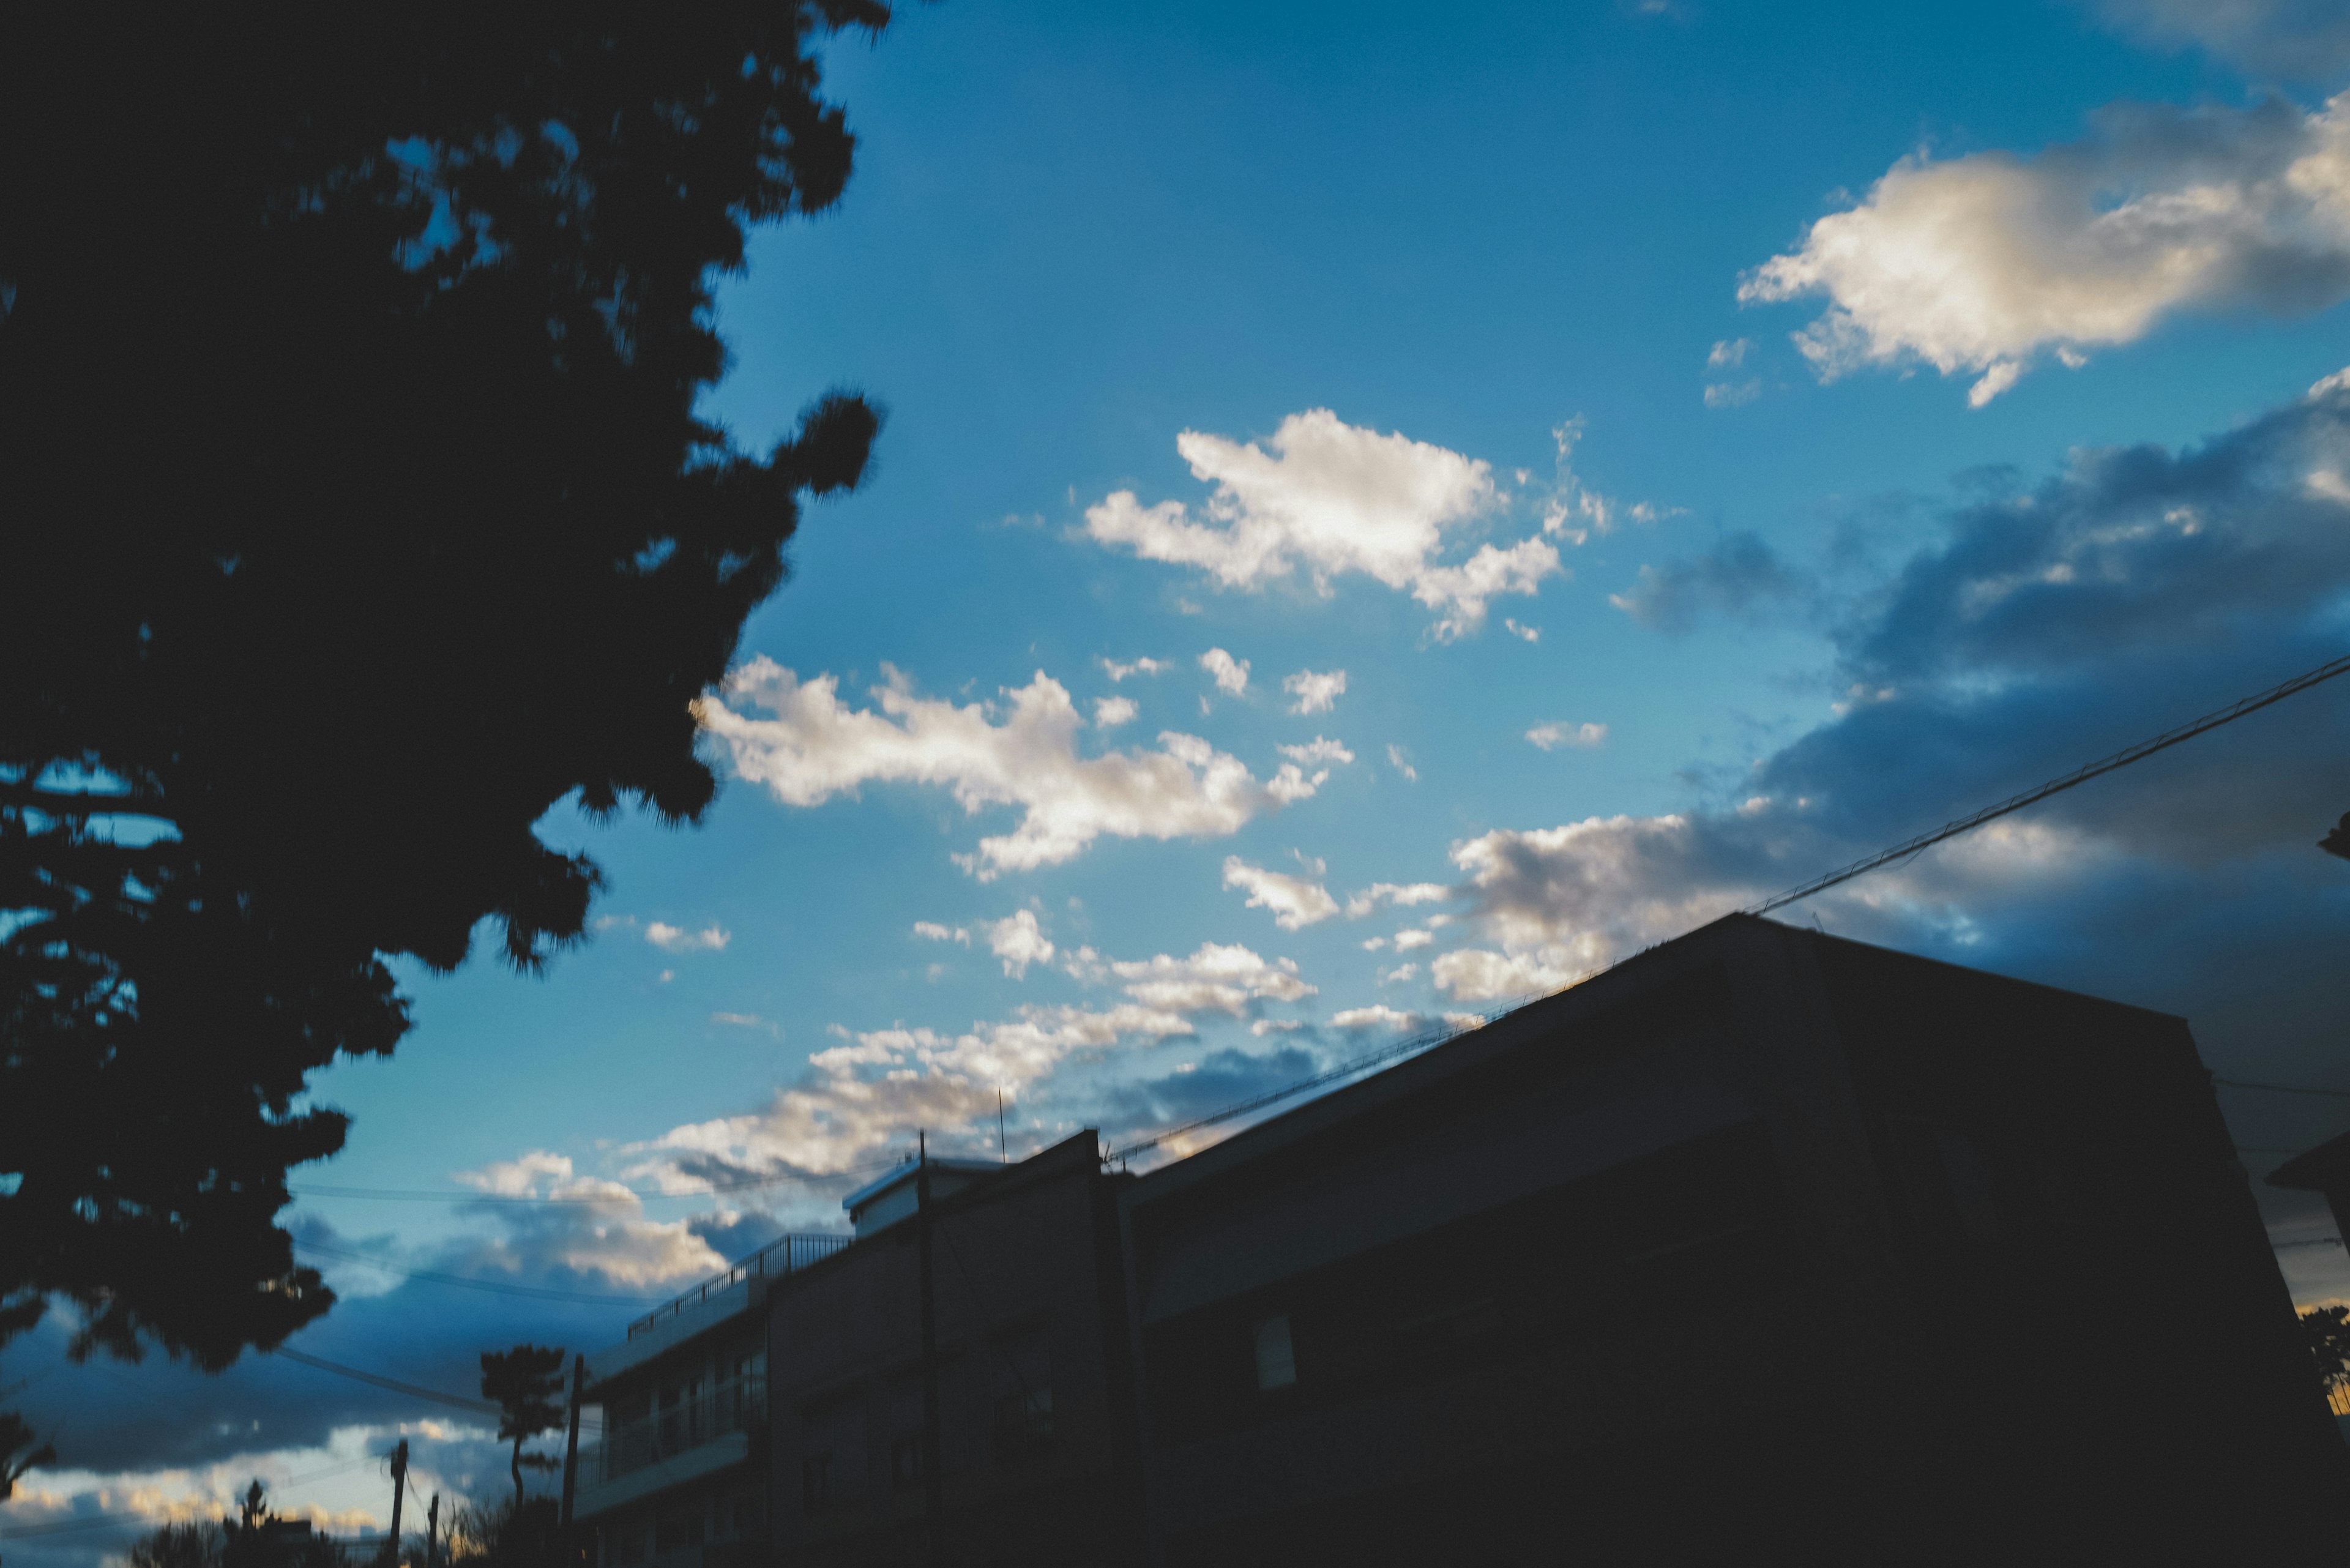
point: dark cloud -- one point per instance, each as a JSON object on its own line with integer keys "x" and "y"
{"x": 2130, "y": 550}
{"x": 1221, "y": 1078}
{"x": 1740, "y": 576}
{"x": 2047, "y": 627}
{"x": 2294, "y": 40}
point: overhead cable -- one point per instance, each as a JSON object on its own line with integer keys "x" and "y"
{"x": 1860, "y": 867}
{"x": 2081, "y": 776}
{"x": 393, "y": 1383}
{"x": 1423, "y": 1041}
{"x": 536, "y": 1292}
{"x": 2284, "y": 1088}
{"x": 427, "y": 1195}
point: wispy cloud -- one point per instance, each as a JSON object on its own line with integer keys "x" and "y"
{"x": 813, "y": 747}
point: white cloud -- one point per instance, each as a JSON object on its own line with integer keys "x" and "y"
{"x": 1118, "y": 671}
{"x": 1317, "y": 750}
{"x": 1295, "y": 900}
{"x": 1018, "y": 941}
{"x": 1478, "y": 974}
{"x": 1729, "y": 354}
{"x": 1332, "y": 498}
{"x": 1400, "y": 761}
{"x": 1411, "y": 937}
{"x": 676, "y": 939}
{"x": 1731, "y": 394}
{"x": 599, "y": 1228}
{"x": 1398, "y": 974}
{"x": 1232, "y": 674}
{"x": 874, "y": 1088}
{"x": 1979, "y": 264}
{"x": 1222, "y": 978}
{"x": 1576, "y": 895}
{"x": 814, "y": 748}
{"x": 1531, "y": 633}
{"x": 1109, "y": 712}
{"x": 1377, "y": 1016}
{"x": 1558, "y": 732}
{"x": 1315, "y": 693}
{"x": 936, "y": 932}
{"x": 1402, "y": 895}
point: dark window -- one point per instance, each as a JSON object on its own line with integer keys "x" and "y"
{"x": 677, "y": 1525}
{"x": 816, "y": 1482}
{"x": 1022, "y": 1370}
{"x": 906, "y": 1461}
{"x": 1276, "y": 1359}
{"x": 1661, "y": 1234}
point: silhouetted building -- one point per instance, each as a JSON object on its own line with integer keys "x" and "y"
{"x": 2326, "y": 1169}
{"x": 1034, "y": 1438}
{"x": 1761, "y": 1246}
{"x": 674, "y": 1479}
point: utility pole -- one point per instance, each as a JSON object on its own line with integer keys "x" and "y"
{"x": 1001, "y": 1159}
{"x": 399, "y": 1494}
{"x": 933, "y": 1500}
{"x": 433, "y": 1532}
{"x": 571, "y": 1459}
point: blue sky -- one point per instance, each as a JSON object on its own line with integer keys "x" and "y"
{"x": 1712, "y": 441}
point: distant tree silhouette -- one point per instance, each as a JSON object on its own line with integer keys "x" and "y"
{"x": 2326, "y": 1331}
{"x": 179, "y": 1546}
{"x": 506, "y": 1536}
{"x": 523, "y": 1382}
{"x": 357, "y": 512}
{"x": 20, "y": 1451}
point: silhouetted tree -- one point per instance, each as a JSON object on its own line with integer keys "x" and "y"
{"x": 20, "y": 1451}
{"x": 2326, "y": 1331}
{"x": 505, "y": 1536}
{"x": 197, "y": 1545}
{"x": 358, "y": 513}
{"x": 523, "y": 1384}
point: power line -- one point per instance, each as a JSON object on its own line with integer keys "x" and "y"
{"x": 2081, "y": 776}
{"x": 2284, "y": 1088}
{"x": 424, "y": 1195}
{"x": 536, "y": 1292}
{"x": 393, "y": 1383}
{"x": 1423, "y": 1041}
{"x": 101, "y": 1520}
{"x": 1902, "y": 851}
{"x": 86, "y": 1522}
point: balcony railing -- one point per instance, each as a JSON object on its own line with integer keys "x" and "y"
{"x": 739, "y": 1404}
{"x": 783, "y": 1255}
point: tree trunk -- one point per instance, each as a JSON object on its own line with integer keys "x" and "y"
{"x": 516, "y": 1468}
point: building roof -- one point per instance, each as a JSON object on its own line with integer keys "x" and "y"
{"x": 2319, "y": 1169}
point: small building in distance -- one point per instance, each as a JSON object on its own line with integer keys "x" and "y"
{"x": 1033, "y": 1389}
{"x": 672, "y": 1479}
{"x": 1761, "y": 1246}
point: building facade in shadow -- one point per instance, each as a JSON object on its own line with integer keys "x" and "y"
{"x": 1761, "y": 1246}
{"x": 1004, "y": 1435}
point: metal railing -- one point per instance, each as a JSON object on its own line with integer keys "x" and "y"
{"x": 735, "y": 1405}
{"x": 786, "y": 1254}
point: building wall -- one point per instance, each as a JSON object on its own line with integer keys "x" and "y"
{"x": 1035, "y": 1387}
{"x": 1722, "y": 1254}
{"x": 702, "y": 1504}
